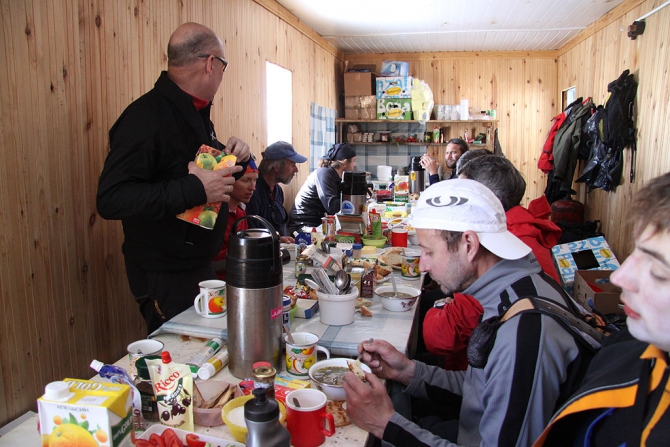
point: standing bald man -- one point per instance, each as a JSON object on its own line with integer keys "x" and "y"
{"x": 149, "y": 177}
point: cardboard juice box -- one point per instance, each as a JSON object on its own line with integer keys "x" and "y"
{"x": 86, "y": 414}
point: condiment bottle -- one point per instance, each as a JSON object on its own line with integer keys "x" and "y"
{"x": 262, "y": 417}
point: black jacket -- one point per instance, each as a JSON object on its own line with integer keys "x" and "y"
{"x": 145, "y": 181}
{"x": 622, "y": 400}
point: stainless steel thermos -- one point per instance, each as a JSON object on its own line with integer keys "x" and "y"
{"x": 254, "y": 283}
{"x": 417, "y": 181}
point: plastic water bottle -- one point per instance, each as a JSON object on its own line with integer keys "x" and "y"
{"x": 262, "y": 417}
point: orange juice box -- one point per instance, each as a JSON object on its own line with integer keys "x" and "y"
{"x": 85, "y": 413}
{"x": 284, "y": 385}
{"x": 212, "y": 160}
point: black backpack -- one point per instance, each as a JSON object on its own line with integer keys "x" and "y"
{"x": 610, "y": 130}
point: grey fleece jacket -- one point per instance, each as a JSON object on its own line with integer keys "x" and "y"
{"x": 512, "y": 398}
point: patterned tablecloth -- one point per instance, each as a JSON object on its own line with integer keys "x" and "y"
{"x": 186, "y": 334}
{"x": 398, "y": 328}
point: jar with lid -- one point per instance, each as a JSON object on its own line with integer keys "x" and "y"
{"x": 301, "y": 264}
{"x": 330, "y": 229}
{"x": 264, "y": 377}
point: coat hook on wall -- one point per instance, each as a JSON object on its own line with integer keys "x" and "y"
{"x": 638, "y": 26}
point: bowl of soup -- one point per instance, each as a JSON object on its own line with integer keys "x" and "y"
{"x": 400, "y": 302}
{"x": 328, "y": 376}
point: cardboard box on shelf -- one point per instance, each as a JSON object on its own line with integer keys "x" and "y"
{"x": 395, "y": 68}
{"x": 358, "y": 83}
{"x": 352, "y": 114}
{"x": 360, "y": 102}
{"x": 361, "y": 114}
{"x": 394, "y": 109}
{"x": 589, "y": 254}
{"x": 394, "y": 87}
{"x": 593, "y": 289}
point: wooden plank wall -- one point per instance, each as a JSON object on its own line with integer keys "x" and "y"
{"x": 598, "y": 57}
{"x": 68, "y": 70}
{"x": 520, "y": 86}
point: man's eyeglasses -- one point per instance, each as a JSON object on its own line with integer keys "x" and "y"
{"x": 223, "y": 61}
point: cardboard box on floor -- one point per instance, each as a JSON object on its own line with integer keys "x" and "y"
{"x": 594, "y": 286}
{"x": 589, "y": 254}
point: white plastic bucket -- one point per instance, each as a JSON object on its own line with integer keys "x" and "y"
{"x": 337, "y": 310}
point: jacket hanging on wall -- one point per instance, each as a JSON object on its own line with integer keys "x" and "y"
{"x": 611, "y": 130}
{"x": 569, "y": 143}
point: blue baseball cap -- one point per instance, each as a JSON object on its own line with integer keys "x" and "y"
{"x": 280, "y": 150}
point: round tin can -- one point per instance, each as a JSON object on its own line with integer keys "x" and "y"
{"x": 264, "y": 377}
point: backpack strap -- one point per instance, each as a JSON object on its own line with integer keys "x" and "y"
{"x": 580, "y": 329}
{"x": 484, "y": 335}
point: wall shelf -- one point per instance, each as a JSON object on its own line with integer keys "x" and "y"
{"x": 371, "y": 154}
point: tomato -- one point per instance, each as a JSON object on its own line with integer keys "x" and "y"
{"x": 143, "y": 443}
{"x": 194, "y": 441}
{"x": 171, "y": 438}
{"x": 157, "y": 440}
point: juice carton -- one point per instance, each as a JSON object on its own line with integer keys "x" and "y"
{"x": 401, "y": 188}
{"x": 284, "y": 385}
{"x": 86, "y": 413}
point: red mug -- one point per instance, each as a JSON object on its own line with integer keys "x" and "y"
{"x": 399, "y": 237}
{"x": 307, "y": 419}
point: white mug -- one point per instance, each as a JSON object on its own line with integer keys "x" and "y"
{"x": 301, "y": 354}
{"x": 211, "y": 301}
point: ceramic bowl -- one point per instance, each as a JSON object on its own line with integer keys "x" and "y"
{"x": 236, "y": 406}
{"x": 210, "y": 417}
{"x": 333, "y": 392}
{"x": 378, "y": 241}
{"x": 398, "y": 304}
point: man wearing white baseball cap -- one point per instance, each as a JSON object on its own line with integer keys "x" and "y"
{"x": 519, "y": 371}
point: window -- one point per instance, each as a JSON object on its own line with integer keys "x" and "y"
{"x": 279, "y": 98}
{"x": 567, "y": 97}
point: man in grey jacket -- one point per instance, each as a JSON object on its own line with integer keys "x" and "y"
{"x": 523, "y": 372}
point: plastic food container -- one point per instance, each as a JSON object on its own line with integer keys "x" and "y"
{"x": 378, "y": 241}
{"x": 337, "y": 310}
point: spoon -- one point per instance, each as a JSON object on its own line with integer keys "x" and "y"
{"x": 342, "y": 279}
{"x": 325, "y": 247}
{"x": 395, "y": 288}
{"x": 289, "y": 335}
{"x": 296, "y": 403}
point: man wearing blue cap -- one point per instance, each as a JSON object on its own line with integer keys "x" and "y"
{"x": 279, "y": 165}
{"x": 320, "y": 192}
